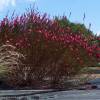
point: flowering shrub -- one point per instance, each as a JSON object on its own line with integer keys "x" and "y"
{"x": 52, "y": 52}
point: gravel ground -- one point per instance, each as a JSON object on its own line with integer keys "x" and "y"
{"x": 72, "y": 95}
{"x": 61, "y": 95}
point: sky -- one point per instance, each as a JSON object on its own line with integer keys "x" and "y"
{"x": 78, "y": 8}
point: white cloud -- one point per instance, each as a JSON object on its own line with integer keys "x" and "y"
{"x": 13, "y": 2}
{"x": 98, "y": 33}
{"x": 6, "y": 3}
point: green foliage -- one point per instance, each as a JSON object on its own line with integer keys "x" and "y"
{"x": 75, "y": 27}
